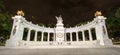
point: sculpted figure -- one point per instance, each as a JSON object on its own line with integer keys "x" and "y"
{"x": 59, "y": 19}
{"x": 98, "y": 13}
{"x": 20, "y": 13}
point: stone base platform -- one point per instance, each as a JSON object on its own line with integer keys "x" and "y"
{"x": 59, "y": 47}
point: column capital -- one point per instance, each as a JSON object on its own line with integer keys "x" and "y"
{"x": 36, "y": 30}
{"x": 83, "y": 30}
{"x": 89, "y": 28}
{"x": 77, "y": 31}
{"x": 29, "y": 29}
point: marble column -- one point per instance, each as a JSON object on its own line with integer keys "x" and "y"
{"x": 48, "y": 38}
{"x": 42, "y": 34}
{"x": 35, "y": 37}
{"x": 54, "y": 34}
{"x": 65, "y": 37}
{"x": 28, "y": 35}
{"x": 77, "y": 39}
{"x": 90, "y": 35}
{"x": 71, "y": 36}
{"x": 54, "y": 37}
{"x": 83, "y": 35}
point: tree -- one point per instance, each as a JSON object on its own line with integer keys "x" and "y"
{"x": 51, "y": 25}
{"x": 113, "y": 26}
{"x": 5, "y": 22}
{"x": 2, "y": 7}
{"x": 41, "y": 24}
{"x": 117, "y": 14}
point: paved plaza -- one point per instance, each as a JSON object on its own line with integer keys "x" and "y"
{"x": 61, "y": 51}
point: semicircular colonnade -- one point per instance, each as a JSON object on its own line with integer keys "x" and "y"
{"x": 93, "y": 33}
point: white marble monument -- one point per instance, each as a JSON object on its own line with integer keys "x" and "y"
{"x": 62, "y": 36}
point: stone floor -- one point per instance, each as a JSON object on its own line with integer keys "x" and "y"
{"x": 61, "y": 51}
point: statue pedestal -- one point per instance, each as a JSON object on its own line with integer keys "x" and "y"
{"x": 59, "y": 33}
{"x": 12, "y": 43}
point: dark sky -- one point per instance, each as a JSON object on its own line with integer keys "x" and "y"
{"x": 72, "y": 11}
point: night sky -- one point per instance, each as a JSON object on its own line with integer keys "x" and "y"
{"x": 72, "y": 11}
